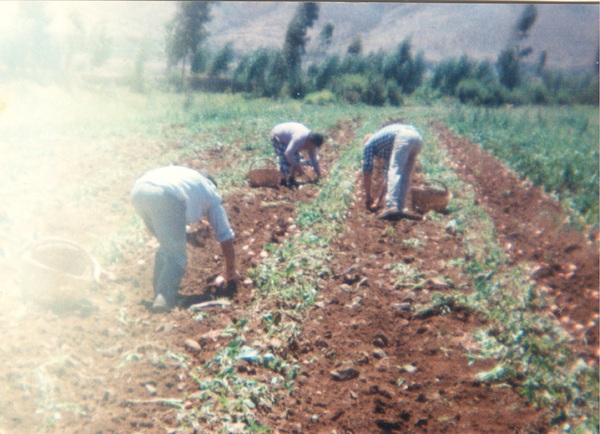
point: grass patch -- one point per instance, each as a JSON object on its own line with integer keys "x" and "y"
{"x": 553, "y": 147}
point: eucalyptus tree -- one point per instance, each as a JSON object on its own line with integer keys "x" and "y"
{"x": 510, "y": 58}
{"x": 220, "y": 64}
{"x": 295, "y": 43}
{"x": 185, "y": 35}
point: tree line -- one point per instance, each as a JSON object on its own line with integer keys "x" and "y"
{"x": 376, "y": 78}
{"x": 293, "y": 70}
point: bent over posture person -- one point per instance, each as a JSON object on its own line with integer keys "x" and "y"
{"x": 398, "y": 145}
{"x": 168, "y": 199}
{"x": 289, "y": 139}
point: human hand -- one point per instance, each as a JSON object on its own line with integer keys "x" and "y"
{"x": 378, "y": 205}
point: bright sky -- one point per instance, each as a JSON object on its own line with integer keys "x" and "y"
{"x": 91, "y": 12}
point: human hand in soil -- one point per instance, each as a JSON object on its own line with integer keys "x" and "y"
{"x": 377, "y": 205}
{"x": 370, "y": 204}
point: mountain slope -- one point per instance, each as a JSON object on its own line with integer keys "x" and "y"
{"x": 569, "y": 33}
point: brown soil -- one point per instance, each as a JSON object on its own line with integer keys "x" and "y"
{"x": 100, "y": 366}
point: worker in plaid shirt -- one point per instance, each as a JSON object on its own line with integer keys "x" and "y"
{"x": 398, "y": 145}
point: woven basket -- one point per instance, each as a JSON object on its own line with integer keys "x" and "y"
{"x": 426, "y": 198}
{"x": 56, "y": 271}
{"x": 266, "y": 176}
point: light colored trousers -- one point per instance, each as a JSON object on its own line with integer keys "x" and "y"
{"x": 164, "y": 216}
{"x": 407, "y": 146}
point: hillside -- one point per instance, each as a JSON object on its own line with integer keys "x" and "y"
{"x": 568, "y": 32}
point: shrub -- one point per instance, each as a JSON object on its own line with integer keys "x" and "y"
{"x": 375, "y": 92}
{"x": 473, "y": 91}
{"x": 407, "y": 70}
{"x": 537, "y": 93}
{"x": 350, "y": 87}
{"x": 394, "y": 94}
{"x": 448, "y": 74}
{"x": 327, "y": 73}
{"x": 322, "y": 97}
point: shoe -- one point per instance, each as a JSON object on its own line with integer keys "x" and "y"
{"x": 389, "y": 214}
{"x": 394, "y": 214}
{"x": 289, "y": 183}
{"x": 411, "y": 216}
{"x": 160, "y": 304}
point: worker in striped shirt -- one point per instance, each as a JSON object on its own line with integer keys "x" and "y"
{"x": 398, "y": 145}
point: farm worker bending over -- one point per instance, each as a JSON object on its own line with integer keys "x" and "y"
{"x": 288, "y": 139}
{"x": 398, "y": 145}
{"x": 168, "y": 199}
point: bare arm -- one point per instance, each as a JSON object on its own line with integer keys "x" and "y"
{"x": 381, "y": 198}
{"x": 367, "y": 177}
{"x": 231, "y": 274}
{"x": 314, "y": 159}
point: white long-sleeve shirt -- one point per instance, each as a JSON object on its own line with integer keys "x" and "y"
{"x": 198, "y": 193}
{"x": 294, "y": 135}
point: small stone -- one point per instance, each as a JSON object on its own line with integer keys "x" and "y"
{"x": 421, "y": 422}
{"x": 347, "y": 288}
{"x": 219, "y": 281}
{"x": 408, "y": 368}
{"x": 380, "y": 341}
{"x": 401, "y": 306}
{"x": 437, "y": 283}
{"x": 387, "y": 425}
{"x": 363, "y": 359}
{"x": 151, "y": 389}
{"x": 379, "y": 354}
{"x": 108, "y": 395}
{"x": 192, "y": 345}
{"x": 344, "y": 374}
{"x": 383, "y": 365}
{"x": 421, "y": 398}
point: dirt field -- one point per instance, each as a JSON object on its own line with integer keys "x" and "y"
{"x": 101, "y": 367}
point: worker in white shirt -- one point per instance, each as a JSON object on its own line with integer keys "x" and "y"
{"x": 169, "y": 199}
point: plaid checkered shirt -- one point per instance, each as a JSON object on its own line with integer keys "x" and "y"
{"x": 380, "y": 145}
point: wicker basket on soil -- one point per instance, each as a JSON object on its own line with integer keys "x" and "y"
{"x": 267, "y": 175}
{"x": 56, "y": 271}
{"x": 425, "y": 198}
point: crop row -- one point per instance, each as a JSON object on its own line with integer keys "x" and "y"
{"x": 555, "y": 148}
